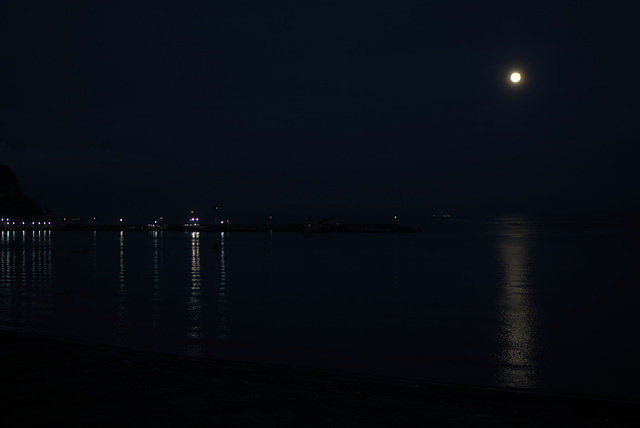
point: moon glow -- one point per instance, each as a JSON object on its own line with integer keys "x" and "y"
{"x": 515, "y": 77}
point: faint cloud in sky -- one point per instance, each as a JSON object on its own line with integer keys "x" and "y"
{"x": 86, "y": 157}
{"x": 5, "y": 148}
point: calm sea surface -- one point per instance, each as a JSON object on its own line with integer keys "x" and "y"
{"x": 510, "y": 303}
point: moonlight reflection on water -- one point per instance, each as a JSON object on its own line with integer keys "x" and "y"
{"x": 460, "y": 303}
{"x": 517, "y": 315}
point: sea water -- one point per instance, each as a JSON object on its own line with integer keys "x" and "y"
{"x": 548, "y": 306}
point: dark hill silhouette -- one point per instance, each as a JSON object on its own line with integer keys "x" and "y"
{"x": 14, "y": 203}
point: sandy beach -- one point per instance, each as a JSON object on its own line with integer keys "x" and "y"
{"x": 47, "y": 380}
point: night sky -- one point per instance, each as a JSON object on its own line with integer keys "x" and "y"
{"x": 140, "y": 109}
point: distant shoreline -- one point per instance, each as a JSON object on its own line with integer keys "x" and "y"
{"x": 228, "y": 227}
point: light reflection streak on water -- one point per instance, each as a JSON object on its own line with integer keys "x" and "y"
{"x": 23, "y": 265}
{"x": 7, "y": 270}
{"x": 518, "y": 317}
{"x": 121, "y": 328}
{"x": 26, "y": 277}
{"x": 194, "y": 301}
{"x": 35, "y": 259}
{"x": 41, "y": 274}
{"x": 23, "y": 283}
{"x": 8, "y": 258}
{"x": 223, "y": 303}
{"x": 155, "y": 298}
{"x": 94, "y": 256}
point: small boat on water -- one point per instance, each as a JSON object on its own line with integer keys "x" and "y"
{"x": 442, "y": 215}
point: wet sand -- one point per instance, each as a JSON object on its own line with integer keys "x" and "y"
{"x": 47, "y": 380}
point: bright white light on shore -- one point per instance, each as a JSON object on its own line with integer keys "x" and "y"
{"x": 515, "y": 77}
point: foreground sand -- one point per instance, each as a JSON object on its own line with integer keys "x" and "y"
{"x": 49, "y": 382}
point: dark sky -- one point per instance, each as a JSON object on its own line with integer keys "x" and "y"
{"x": 115, "y": 108}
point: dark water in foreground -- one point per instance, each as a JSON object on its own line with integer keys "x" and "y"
{"x": 521, "y": 304}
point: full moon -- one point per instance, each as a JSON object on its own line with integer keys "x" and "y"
{"x": 515, "y": 77}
